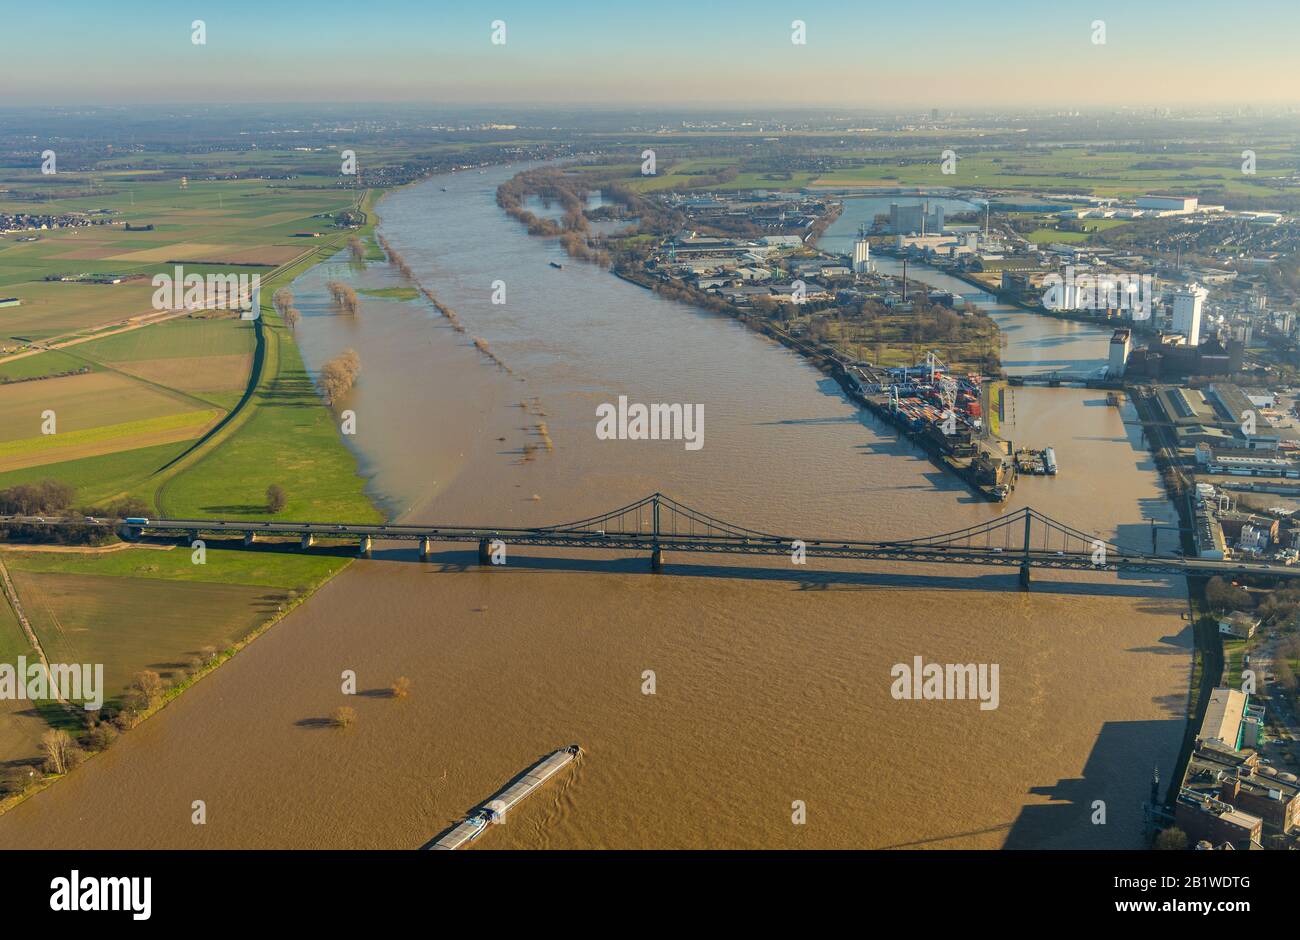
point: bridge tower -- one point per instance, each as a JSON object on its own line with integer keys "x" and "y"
{"x": 1024, "y": 564}
{"x": 656, "y": 553}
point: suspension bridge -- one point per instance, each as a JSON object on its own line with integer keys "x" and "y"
{"x": 1022, "y": 539}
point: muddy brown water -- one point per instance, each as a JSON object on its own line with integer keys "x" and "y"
{"x": 772, "y": 682}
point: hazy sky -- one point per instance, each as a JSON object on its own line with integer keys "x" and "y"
{"x": 868, "y": 54}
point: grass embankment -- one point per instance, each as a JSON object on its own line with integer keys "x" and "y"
{"x": 281, "y": 432}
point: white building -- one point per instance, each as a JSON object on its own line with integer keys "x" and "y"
{"x": 861, "y": 254}
{"x": 1253, "y": 540}
{"x": 1168, "y": 203}
{"x": 1187, "y": 312}
{"x": 782, "y": 241}
{"x": 1120, "y": 343}
{"x": 1238, "y": 624}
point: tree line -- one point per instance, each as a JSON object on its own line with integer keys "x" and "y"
{"x": 55, "y": 499}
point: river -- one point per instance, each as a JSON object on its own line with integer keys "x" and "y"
{"x": 772, "y": 681}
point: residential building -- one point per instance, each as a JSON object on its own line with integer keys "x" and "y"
{"x": 1238, "y": 624}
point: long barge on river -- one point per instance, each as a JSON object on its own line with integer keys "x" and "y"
{"x": 495, "y": 809}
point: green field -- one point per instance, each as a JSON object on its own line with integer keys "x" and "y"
{"x": 41, "y": 365}
{"x": 392, "y": 293}
{"x": 175, "y": 338}
{"x": 135, "y": 623}
{"x": 197, "y": 414}
{"x": 1215, "y": 174}
{"x": 101, "y": 480}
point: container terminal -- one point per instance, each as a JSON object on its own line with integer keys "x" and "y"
{"x": 906, "y": 397}
{"x": 955, "y": 418}
{"x": 495, "y": 809}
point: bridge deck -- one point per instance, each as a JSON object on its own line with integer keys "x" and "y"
{"x": 1022, "y": 539}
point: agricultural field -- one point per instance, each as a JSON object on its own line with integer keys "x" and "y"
{"x": 136, "y": 618}
{"x": 139, "y": 378}
{"x": 185, "y": 411}
{"x": 1213, "y": 174}
{"x": 21, "y": 726}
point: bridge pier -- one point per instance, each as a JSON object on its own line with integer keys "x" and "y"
{"x": 249, "y": 538}
{"x": 308, "y": 540}
{"x": 1024, "y": 577}
{"x": 363, "y": 548}
{"x": 657, "y": 560}
{"x": 484, "y": 552}
{"x": 426, "y": 548}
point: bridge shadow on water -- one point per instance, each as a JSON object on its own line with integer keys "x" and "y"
{"x": 811, "y": 579}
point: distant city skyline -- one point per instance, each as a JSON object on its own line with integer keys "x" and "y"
{"x": 946, "y": 54}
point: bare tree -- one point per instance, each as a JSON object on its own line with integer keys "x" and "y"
{"x": 282, "y": 300}
{"x": 357, "y": 248}
{"x": 61, "y": 752}
{"x": 343, "y": 717}
{"x": 291, "y": 317}
{"x": 345, "y": 298}
{"x": 275, "y": 498}
{"x": 401, "y": 687}
{"x": 149, "y": 684}
{"x": 338, "y": 375}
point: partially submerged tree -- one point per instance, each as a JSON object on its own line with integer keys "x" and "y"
{"x": 337, "y": 375}
{"x": 345, "y": 298}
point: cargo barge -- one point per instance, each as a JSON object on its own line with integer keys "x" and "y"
{"x": 495, "y": 809}
{"x": 1036, "y": 462}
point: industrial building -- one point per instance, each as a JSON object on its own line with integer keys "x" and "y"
{"x": 1229, "y": 795}
{"x": 1168, "y": 203}
{"x": 1216, "y": 419}
{"x": 1223, "y": 718}
{"x": 1187, "y": 305}
{"x": 861, "y": 253}
{"x": 1120, "y": 342}
{"x": 1206, "y": 818}
{"x": 915, "y": 220}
